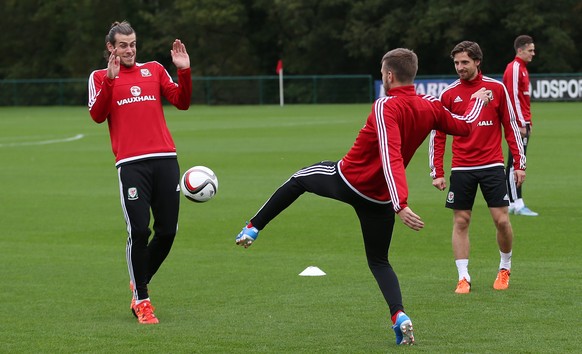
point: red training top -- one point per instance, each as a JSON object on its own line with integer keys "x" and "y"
{"x": 132, "y": 105}
{"x": 516, "y": 80}
{"x": 398, "y": 124}
{"x": 482, "y": 148}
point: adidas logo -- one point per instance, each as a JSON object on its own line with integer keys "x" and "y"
{"x": 458, "y": 99}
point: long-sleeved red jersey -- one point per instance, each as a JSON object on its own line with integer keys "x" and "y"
{"x": 516, "y": 80}
{"x": 132, "y": 105}
{"x": 482, "y": 148}
{"x": 398, "y": 124}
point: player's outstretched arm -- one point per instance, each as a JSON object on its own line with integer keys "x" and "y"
{"x": 180, "y": 56}
{"x": 410, "y": 219}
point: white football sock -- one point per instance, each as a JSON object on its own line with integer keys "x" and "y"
{"x": 463, "y": 269}
{"x": 505, "y": 260}
{"x": 137, "y": 302}
{"x": 518, "y": 204}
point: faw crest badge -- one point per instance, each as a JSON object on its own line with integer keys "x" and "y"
{"x": 132, "y": 193}
{"x": 135, "y": 91}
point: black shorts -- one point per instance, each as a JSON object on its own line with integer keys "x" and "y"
{"x": 463, "y": 188}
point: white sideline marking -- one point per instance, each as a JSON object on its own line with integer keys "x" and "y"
{"x": 44, "y": 142}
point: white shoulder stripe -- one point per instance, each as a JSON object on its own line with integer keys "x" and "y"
{"x": 451, "y": 86}
{"x": 385, "y": 152}
{"x": 430, "y": 98}
{"x": 492, "y": 80}
{"x": 92, "y": 90}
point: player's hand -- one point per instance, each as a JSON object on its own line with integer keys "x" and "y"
{"x": 113, "y": 64}
{"x": 483, "y": 94}
{"x": 179, "y": 54}
{"x": 519, "y": 176}
{"x": 523, "y": 131}
{"x": 439, "y": 183}
{"x": 410, "y": 219}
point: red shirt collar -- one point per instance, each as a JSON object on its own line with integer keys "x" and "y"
{"x": 476, "y": 81}
{"x": 402, "y": 90}
{"x": 521, "y": 61}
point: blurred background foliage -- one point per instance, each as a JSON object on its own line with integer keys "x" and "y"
{"x": 65, "y": 38}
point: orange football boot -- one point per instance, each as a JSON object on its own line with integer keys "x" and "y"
{"x": 502, "y": 280}
{"x": 145, "y": 313}
{"x": 132, "y": 303}
{"x": 463, "y": 287}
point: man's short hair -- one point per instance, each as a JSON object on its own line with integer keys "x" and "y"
{"x": 118, "y": 27}
{"x": 471, "y": 48}
{"x": 403, "y": 63}
{"x": 521, "y": 41}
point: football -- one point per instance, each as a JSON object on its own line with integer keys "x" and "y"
{"x": 199, "y": 184}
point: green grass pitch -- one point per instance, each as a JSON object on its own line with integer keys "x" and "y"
{"x": 64, "y": 281}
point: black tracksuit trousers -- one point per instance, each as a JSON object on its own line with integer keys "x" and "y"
{"x": 376, "y": 220}
{"x": 149, "y": 186}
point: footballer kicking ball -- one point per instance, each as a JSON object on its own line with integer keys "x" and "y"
{"x": 199, "y": 184}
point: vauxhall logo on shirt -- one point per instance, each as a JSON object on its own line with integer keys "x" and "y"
{"x": 485, "y": 123}
{"x": 136, "y": 97}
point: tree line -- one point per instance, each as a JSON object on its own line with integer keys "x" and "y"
{"x": 66, "y": 38}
